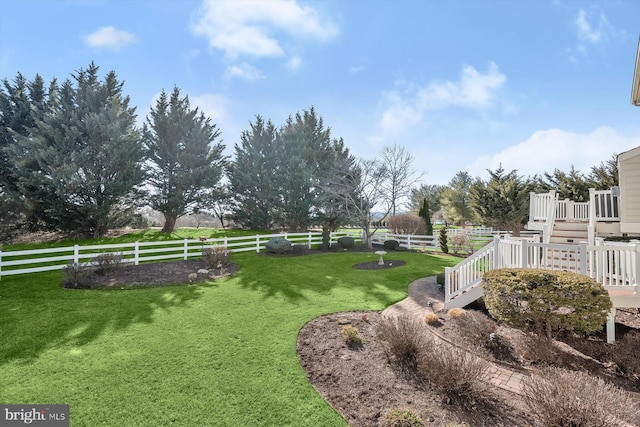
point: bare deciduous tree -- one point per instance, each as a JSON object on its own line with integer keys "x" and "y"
{"x": 401, "y": 177}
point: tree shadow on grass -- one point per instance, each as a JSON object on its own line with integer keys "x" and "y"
{"x": 37, "y": 314}
{"x": 297, "y": 279}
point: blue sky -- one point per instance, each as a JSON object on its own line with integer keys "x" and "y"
{"x": 463, "y": 85}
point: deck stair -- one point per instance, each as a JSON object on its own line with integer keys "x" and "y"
{"x": 569, "y": 232}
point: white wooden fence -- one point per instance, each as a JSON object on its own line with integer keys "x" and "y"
{"x": 37, "y": 260}
{"x": 615, "y": 266}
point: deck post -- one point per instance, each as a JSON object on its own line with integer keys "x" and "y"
{"x": 524, "y": 256}
{"x": 582, "y": 258}
{"x": 611, "y": 326}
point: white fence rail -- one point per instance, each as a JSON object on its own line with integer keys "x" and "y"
{"x": 38, "y": 260}
{"x": 614, "y": 266}
{"x": 409, "y": 241}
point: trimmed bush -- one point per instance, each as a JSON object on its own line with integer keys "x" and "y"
{"x": 545, "y": 300}
{"x": 391, "y": 245}
{"x": 401, "y": 418}
{"x": 216, "y": 257}
{"x": 278, "y": 245}
{"x": 557, "y": 397}
{"x": 406, "y": 224}
{"x": 347, "y": 242}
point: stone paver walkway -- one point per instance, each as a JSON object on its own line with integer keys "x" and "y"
{"x": 424, "y": 297}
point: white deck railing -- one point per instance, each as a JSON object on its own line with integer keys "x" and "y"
{"x": 38, "y": 260}
{"x": 568, "y": 210}
{"x": 614, "y": 266}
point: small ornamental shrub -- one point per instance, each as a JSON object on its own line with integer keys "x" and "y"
{"x": 216, "y": 257}
{"x": 107, "y": 263}
{"x": 406, "y": 224}
{"x": 459, "y": 242}
{"x": 449, "y": 370}
{"x": 351, "y": 335}
{"x": 456, "y": 312}
{"x": 347, "y": 242}
{"x": 557, "y": 397}
{"x": 403, "y": 339}
{"x": 391, "y": 245}
{"x": 431, "y": 318}
{"x": 442, "y": 240}
{"x": 300, "y": 249}
{"x": 278, "y": 245}
{"x": 401, "y": 418}
{"x": 545, "y": 300}
{"x": 75, "y": 275}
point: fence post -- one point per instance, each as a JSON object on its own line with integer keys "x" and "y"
{"x": 136, "y": 253}
{"x": 186, "y": 247}
{"x": 524, "y": 247}
{"x": 496, "y": 252}
{"x": 257, "y": 243}
{"x": 0, "y": 262}
{"x": 76, "y": 254}
{"x": 582, "y": 258}
{"x": 409, "y": 241}
{"x": 224, "y": 242}
{"x": 309, "y": 240}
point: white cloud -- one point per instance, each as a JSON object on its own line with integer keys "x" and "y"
{"x": 109, "y": 38}
{"x": 245, "y": 71}
{"x": 593, "y": 29}
{"x": 294, "y": 63}
{"x": 547, "y": 150}
{"x": 356, "y": 69}
{"x": 475, "y": 90}
{"x": 253, "y": 27}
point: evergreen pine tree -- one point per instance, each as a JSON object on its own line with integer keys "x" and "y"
{"x": 186, "y": 163}
{"x": 426, "y": 215}
{"x": 443, "y": 240}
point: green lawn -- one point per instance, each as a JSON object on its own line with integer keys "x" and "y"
{"x": 221, "y": 353}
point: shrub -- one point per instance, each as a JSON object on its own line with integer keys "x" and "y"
{"x": 403, "y": 339}
{"x": 406, "y": 224}
{"x": 278, "y": 245}
{"x": 440, "y": 279}
{"x": 351, "y": 335}
{"x": 75, "y": 275}
{"x": 442, "y": 240}
{"x": 300, "y": 249}
{"x": 453, "y": 372}
{"x": 459, "y": 241}
{"x": 476, "y": 328}
{"x": 456, "y": 312}
{"x": 401, "y": 418}
{"x": 391, "y": 245}
{"x": 546, "y": 300}
{"x": 539, "y": 350}
{"x": 347, "y": 242}
{"x": 431, "y": 318}
{"x": 216, "y": 257}
{"x": 108, "y": 263}
{"x": 557, "y": 397}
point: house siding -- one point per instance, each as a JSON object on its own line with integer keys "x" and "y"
{"x": 629, "y": 169}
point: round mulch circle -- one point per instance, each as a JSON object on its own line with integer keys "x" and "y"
{"x": 373, "y": 265}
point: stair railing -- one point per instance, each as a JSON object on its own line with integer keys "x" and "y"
{"x": 469, "y": 272}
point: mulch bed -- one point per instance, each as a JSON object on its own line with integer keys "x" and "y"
{"x": 154, "y": 274}
{"x": 373, "y": 265}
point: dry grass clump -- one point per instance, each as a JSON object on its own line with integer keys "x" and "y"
{"x": 351, "y": 335}
{"x": 431, "y": 318}
{"x": 403, "y": 339}
{"x": 456, "y": 312}
{"x": 540, "y": 350}
{"x": 557, "y": 397}
{"x": 476, "y": 328}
